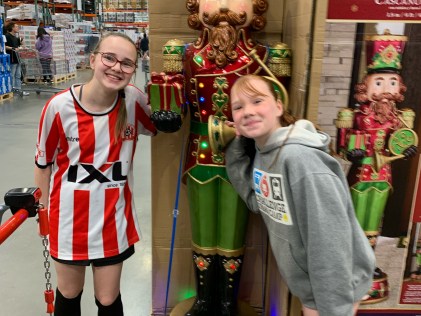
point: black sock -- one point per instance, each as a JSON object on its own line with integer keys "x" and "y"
{"x": 67, "y": 306}
{"x": 115, "y": 309}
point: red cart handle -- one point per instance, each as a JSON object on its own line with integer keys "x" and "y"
{"x": 12, "y": 224}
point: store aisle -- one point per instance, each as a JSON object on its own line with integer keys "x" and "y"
{"x": 22, "y": 280}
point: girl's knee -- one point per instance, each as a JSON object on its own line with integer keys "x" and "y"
{"x": 113, "y": 309}
{"x": 106, "y": 299}
{"x": 70, "y": 293}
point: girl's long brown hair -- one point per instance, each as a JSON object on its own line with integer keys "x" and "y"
{"x": 122, "y": 111}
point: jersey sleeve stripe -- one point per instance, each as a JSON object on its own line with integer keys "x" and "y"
{"x": 147, "y": 127}
{"x": 45, "y": 109}
{"x": 52, "y": 141}
{"x": 48, "y": 137}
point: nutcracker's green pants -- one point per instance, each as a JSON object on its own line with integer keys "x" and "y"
{"x": 218, "y": 216}
{"x": 369, "y": 200}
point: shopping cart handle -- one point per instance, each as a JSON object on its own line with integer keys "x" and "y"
{"x": 12, "y": 224}
{"x": 26, "y": 198}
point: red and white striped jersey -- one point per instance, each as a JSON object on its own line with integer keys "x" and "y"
{"x": 91, "y": 205}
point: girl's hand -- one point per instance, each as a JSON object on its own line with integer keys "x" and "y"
{"x": 232, "y": 125}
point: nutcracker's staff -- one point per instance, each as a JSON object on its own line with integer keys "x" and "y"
{"x": 284, "y": 94}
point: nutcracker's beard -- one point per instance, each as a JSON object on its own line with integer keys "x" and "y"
{"x": 384, "y": 109}
{"x": 223, "y": 36}
{"x": 396, "y": 97}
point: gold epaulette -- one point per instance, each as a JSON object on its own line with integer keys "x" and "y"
{"x": 345, "y": 118}
{"x": 408, "y": 116}
{"x": 173, "y": 52}
{"x": 279, "y": 61}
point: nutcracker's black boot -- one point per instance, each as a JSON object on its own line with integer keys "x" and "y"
{"x": 229, "y": 282}
{"x": 205, "y": 273}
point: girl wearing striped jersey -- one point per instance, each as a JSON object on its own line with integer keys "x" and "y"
{"x": 86, "y": 142}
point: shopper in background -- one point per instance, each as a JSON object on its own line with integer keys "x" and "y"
{"x": 144, "y": 44}
{"x": 303, "y": 197}
{"x": 13, "y": 43}
{"x": 44, "y": 46}
{"x": 86, "y": 142}
{"x": 138, "y": 46}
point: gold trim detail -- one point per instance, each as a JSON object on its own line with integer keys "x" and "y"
{"x": 220, "y": 99}
{"x": 371, "y": 233}
{"x": 280, "y": 67}
{"x": 209, "y": 180}
{"x": 206, "y": 251}
{"x": 386, "y": 38}
{"x": 172, "y": 63}
{"x": 174, "y": 42}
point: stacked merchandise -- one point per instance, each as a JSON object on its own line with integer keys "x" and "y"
{"x": 141, "y": 17}
{"x": 5, "y": 78}
{"x": 70, "y": 50}
{"x": 24, "y": 12}
{"x": 109, "y": 17}
{"x": 125, "y": 11}
{"x": 62, "y": 20}
{"x": 59, "y": 56}
{"x": 129, "y": 4}
{"x": 85, "y": 41}
{"x": 126, "y": 17}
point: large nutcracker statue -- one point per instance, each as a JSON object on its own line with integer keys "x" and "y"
{"x": 204, "y": 72}
{"x": 374, "y": 134}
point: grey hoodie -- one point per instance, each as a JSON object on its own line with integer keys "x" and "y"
{"x": 303, "y": 196}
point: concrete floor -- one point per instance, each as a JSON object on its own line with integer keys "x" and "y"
{"x": 22, "y": 280}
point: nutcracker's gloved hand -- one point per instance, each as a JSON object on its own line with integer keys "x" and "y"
{"x": 166, "y": 121}
{"x": 410, "y": 152}
{"x": 355, "y": 155}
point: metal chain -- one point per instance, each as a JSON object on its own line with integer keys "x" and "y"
{"x": 46, "y": 254}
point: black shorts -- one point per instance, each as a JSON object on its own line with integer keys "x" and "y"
{"x": 101, "y": 262}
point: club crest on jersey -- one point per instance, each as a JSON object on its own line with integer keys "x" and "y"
{"x": 129, "y": 132}
{"x": 40, "y": 153}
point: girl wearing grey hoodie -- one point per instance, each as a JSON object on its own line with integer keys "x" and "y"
{"x": 303, "y": 197}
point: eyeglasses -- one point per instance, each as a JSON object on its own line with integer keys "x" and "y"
{"x": 109, "y": 60}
